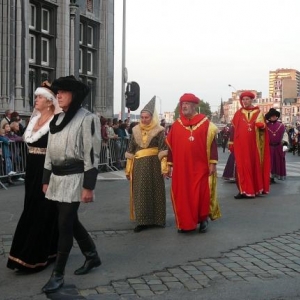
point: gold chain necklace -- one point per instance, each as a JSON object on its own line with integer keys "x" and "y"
{"x": 249, "y": 124}
{"x": 274, "y": 132}
{"x": 192, "y": 128}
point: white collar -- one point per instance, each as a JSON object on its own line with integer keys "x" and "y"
{"x": 31, "y": 136}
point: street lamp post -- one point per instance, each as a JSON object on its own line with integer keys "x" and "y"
{"x": 235, "y": 90}
{"x": 124, "y": 71}
{"x": 232, "y": 87}
{"x": 235, "y": 104}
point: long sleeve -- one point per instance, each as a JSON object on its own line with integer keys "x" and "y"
{"x": 47, "y": 168}
{"x": 162, "y": 152}
{"x": 91, "y": 149}
{"x": 213, "y": 152}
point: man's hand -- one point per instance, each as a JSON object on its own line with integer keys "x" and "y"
{"x": 45, "y": 188}
{"x": 87, "y": 196}
{"x": 260, "y": 125}
{"x": 212, "y": 169}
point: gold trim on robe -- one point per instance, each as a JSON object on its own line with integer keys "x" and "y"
{"x": 139, "y": 154}
{"x": 214, "y": 211}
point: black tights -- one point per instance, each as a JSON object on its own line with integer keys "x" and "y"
{"x": 69, "y": 226}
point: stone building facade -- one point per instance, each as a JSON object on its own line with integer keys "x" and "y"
{"x": 46, "y": 39}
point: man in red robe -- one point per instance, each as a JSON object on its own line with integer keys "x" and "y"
{"x": 192, "y": 160}
{"x": 250, "y": 143}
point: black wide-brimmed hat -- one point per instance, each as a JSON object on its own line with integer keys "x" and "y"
{"x": 272, "y": 112}
{"x": 71, "y": 84}
{"x": 79, "y": 91}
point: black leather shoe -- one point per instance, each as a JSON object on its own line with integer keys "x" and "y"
{"x": 239, "y": 196}
{"x": 139, "y": 228}
{"x": 272, "y": 180}
{"x": 90, "y": 263}
{"x": 55, "y": 282}
{"x": 243, "y": 196}
{"x": 185, "y": 231}
{"x": 203, "y": 226}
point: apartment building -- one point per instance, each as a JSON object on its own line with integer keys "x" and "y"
{"x": 284, "y": 83}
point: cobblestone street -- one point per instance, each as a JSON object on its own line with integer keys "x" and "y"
{"x": 266, "y": 260}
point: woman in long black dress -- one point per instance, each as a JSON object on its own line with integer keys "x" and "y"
{"x": 35, "y": 240}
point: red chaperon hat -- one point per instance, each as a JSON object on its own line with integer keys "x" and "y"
{"x": 189, "y": 98}
{"x": 247, "y": 94}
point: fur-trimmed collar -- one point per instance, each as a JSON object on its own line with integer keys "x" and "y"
{"x": 137, "y": 133}
{"x": 31, "y": 136}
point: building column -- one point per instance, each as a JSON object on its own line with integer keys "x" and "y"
{"x": 73, "y": 12}
{"x": 63, "y": 40}
{"x": 19, "y": 105}
{"x": 4, "y": 54}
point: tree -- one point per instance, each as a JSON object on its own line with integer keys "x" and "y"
{"x": 203, "y": 108}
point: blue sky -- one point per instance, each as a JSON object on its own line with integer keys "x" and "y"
{"x": 195, "y": 46}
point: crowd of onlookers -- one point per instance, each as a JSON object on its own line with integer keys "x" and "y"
{"x": 11, "y": 152}
{"x": 293, "y": 136}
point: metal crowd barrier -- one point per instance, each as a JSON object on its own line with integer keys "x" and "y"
{"x": 12, "y": 160}
{"x": 112, "y": 154}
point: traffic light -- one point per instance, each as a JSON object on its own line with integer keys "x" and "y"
{"x": 132, "y": 96}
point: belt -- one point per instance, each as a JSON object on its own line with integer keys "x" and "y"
{"x": 73, "y": 168}
{"x": 37, "y": 150}
{"x": 146, "y": 152}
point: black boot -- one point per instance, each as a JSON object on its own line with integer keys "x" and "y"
{"x": 92, "y": 260}
{"x": 56, "y": 280}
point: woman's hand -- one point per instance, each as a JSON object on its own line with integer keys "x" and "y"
{"x": 169, "y": 174}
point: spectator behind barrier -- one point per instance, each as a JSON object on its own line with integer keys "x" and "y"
{"x": 6, "y": 118}
{"x": 15, "y": 117}
{"x": 6, "y": 157}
